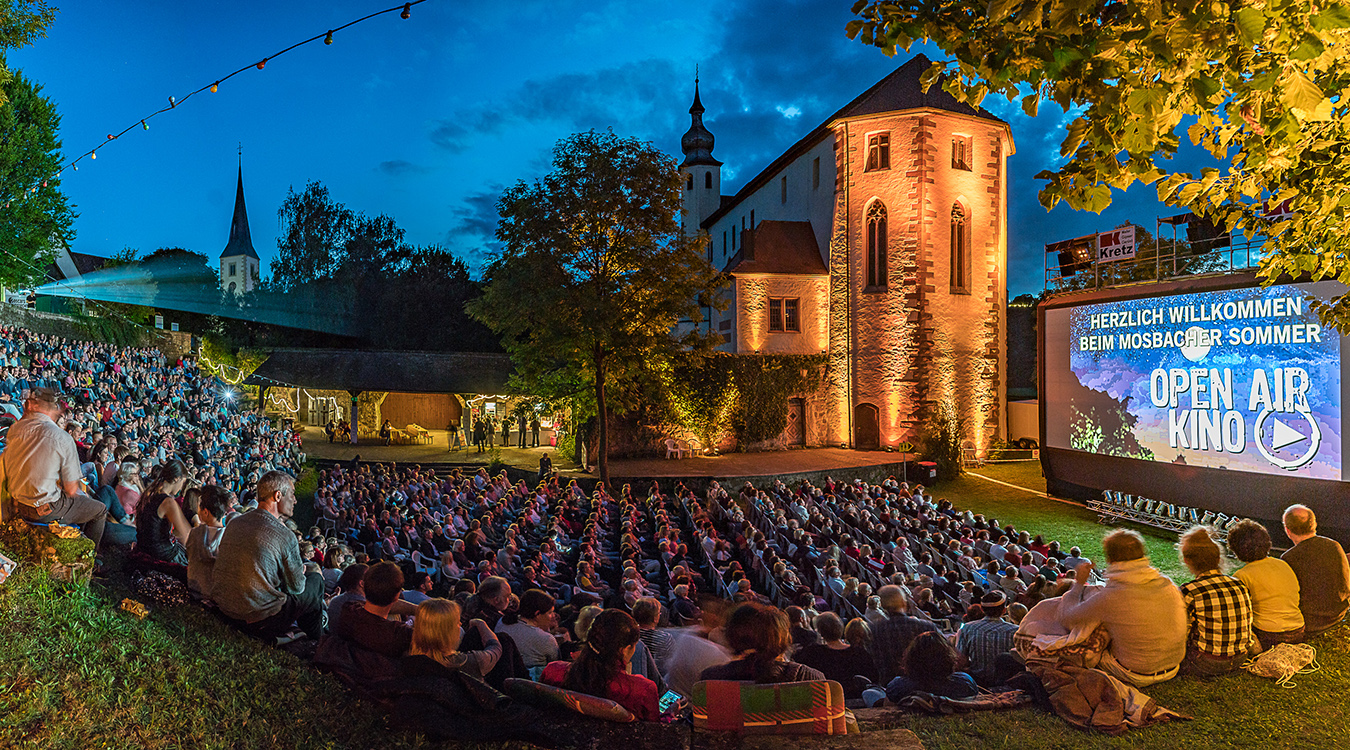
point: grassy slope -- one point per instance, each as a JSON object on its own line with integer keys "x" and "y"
{"x": 77, "y": 673}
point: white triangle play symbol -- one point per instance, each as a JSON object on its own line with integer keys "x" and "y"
{"x": 1285, "y": 435}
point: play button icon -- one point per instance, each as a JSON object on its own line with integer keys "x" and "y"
{"x": 1281, "y": 435}
{"x": 1285, "y": 435}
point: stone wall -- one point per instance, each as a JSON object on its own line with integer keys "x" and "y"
{"x": 918, "y": 342}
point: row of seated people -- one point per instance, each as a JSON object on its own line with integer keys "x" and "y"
{"x": 956, "y": 569}
{"x": 132, "y": 432}
{"x": 476, "y": 526}
{"x": 1152, "y": 625}
{"x": 1267, "y": 600}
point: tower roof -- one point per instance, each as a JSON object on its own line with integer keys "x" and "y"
{"x": 697, "y": 143}
{"x": 240, "y": 242}
{"x": 901, "y": 90}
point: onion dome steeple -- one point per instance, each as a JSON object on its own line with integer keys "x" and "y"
{"x": 697, "y": 143}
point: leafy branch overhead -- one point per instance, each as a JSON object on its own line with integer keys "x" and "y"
{"x": 1261, "y": 87}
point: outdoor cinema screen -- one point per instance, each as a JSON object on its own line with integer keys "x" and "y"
{"x": 1242, "y": 379}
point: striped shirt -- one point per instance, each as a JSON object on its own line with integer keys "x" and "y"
{"x": 1219, "y": 614}
{"x": 982, "y": 641}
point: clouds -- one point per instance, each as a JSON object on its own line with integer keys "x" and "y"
{"x": 473, "y": 235}
{"x": 632, "y": 98}
{"x": 400, "y": 168}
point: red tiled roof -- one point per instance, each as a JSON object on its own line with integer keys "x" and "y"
{"x": 784, "y": 247}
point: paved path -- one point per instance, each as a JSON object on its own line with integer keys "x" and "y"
{"x": 317, "y": 446}
{"x": 770, "y": 463}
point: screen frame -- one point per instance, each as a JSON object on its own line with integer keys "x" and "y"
{"x": 1082, "y": 476}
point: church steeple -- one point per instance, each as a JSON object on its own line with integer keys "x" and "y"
{"x": 697, "y": 143}
{"x": 240, "y": 243}
{"x": 239, "y": 262}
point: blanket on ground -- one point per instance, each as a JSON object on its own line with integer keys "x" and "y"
{"x": 942, "y": 705}
{"x": 1093, "y": 699}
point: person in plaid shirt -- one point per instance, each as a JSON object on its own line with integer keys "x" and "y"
{"x": 892, "y": 636}
{"x": 1218, "y": 609}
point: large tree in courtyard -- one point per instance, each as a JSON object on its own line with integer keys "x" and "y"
{"x": 34, "y": 214}
{"x": 1262, "y": 86}
{"x": 594, "y": 274}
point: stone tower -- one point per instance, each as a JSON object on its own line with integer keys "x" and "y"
{"x": 702, "y": 173}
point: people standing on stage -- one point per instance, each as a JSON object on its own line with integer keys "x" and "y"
{"x": 520, "y": 428}
{"x": 1322, "y": 570}
{"x": 490, "y": 425}
{"x": 387, "y": 432}
{"x": 534, "y": 430}
{"x": 506, "y": 432}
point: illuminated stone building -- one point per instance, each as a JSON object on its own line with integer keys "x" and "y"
{"x": 879, "y": 239}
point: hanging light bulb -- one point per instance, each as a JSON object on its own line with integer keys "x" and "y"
{"x": 44, "y": 183}
{"x": 215, "y": 87}
{"x": 75, "y": 167}
{"x": 144, "y": 126}
{"x": 328, "y": 39}
{"x": 111, "y": 136}
{"x": 261, "y": 63}
{"x": 172, "y": 103}
{"x": 93, "y": 155}
{"x": 407, "y": 11}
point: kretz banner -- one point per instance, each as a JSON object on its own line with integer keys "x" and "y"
{"x": 1117, "y": 244}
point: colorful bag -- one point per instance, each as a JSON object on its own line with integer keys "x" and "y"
{"x": 814, "y": 707}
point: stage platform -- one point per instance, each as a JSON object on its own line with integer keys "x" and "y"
{"x": 734, "y": 468}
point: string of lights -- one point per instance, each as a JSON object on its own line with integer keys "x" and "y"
{"x": 404, "y": 10}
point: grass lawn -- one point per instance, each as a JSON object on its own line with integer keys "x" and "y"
{"x": 75, "y": 672}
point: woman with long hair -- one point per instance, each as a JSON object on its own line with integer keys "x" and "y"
{"x": 930, "y": 667}
{"x": 435, "y": 643}
{"x": 162, "y": 527}
{"x": 602, "y": 668}
{"x": 760, "y": 638}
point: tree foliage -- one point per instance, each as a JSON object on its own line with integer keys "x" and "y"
{"x": 21, "y": 23}
{"x": 594, "y": 274}
{"x": 362, "y": 271}
{"x": 1261, "y": 86}
{"x": 34, "y": 213}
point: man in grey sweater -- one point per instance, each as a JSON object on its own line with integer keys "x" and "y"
{"x": 259, "y": 578}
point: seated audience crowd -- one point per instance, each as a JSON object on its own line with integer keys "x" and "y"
{"x": 413, "y": 575}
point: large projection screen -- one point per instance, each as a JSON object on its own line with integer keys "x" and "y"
{"x": 1226, "y": 398}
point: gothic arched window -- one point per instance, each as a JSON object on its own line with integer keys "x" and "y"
{"x": 960, "y": 238}
{"x": 876, "y": 246}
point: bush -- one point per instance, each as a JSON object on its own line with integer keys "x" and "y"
{"x": 940, "y": 442}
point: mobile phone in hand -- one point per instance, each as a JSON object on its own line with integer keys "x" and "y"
{"x": 667, "y": 700}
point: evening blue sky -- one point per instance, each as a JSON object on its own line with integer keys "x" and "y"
{"x": 426, "y": 120}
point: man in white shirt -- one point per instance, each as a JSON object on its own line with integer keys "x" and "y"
{"x": 1140, "y": 608}
{"x": 41, "y": 468}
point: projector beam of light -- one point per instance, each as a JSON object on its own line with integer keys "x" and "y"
{"x": 166, "y": 285}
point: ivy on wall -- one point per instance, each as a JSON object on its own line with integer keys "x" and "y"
{"x": 747, "y": 394}
{"x": 940, "y": 442}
